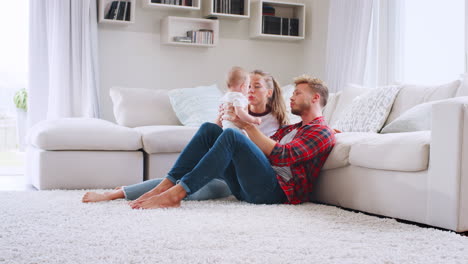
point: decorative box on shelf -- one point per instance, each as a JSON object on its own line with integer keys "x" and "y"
{"x": 186, "y": 31}
{"x": 189, "y": 5}
{"x": 277, "y": 20}
{"x": 117, "y": 12}
{"x": 231, "y": 9}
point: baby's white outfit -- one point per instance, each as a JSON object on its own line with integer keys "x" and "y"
{"x": 236, "y": 99}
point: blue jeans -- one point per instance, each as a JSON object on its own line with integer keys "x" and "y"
{"x": 215, "y": 189}
{"x": 229, "y": 155}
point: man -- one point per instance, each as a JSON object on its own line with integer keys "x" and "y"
{"x": 280, "y": 169}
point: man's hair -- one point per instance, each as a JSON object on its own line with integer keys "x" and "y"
{"x": 237, "y": 76}
{"x": 316, "y": 85}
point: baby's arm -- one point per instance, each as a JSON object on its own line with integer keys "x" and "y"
{"x": 244, "y": 115}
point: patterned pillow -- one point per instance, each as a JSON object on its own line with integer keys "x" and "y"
{"x": 194, "y": 106}
{"x": 368, "y": 112}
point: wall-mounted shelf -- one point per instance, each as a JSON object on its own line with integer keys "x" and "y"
{"x": 189, "y": 5}
{"x": 206, "y": 31}
{"x": 229, "y": 9}
{"x": 117, "y": 12}
{"x": 285, "y": 22}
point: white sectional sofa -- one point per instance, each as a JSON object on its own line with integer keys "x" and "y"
{"x": 420, "y": 176}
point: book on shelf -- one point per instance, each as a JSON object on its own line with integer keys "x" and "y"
{"x": 234, "y": 7}
{"x": 121, "y": 12}
{"x": 112, "y": 9}
{"x": 294, "y": 27}
{"x": 271, "y": 25}
{"x": 280, "y": 26}
{"x": 128, "y": 11}
{"x": 202, "y": 36}
{"x": 183, "y": 39}
{"x": 285, "y": 26}
{"x": 268, "y": 10}
{"x": 173, "y": 2}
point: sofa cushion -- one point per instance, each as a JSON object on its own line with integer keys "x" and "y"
{"x": 339, "y": 156}
{"x": 463, "y": 89}
{"x": 368, "y": 112}
{"x": 333, "y": 99}
{"x": 412, "y": 95}
{"x": 419, "y": 118}
{"x": 347, "y": 96}
{"x": 165, "y": 139}
{"x": 83, "y": 134}
{"x": 195, "y": 106}
{"x": 396, "y": 151}
{"x": 135, "y": 107}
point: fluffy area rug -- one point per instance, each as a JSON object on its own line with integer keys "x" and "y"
{"x": 55, "y": 227}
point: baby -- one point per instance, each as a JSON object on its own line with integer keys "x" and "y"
{"x": 238, "y": 82}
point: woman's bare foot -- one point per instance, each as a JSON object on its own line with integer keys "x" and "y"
{"x": 167, "y": 199}
{"x": 162, "y": 187}
{"x": 118, "y": 188}
{"x": 92, "y": 197}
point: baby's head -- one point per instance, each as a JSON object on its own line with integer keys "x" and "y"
{"x": 238, "y": 80}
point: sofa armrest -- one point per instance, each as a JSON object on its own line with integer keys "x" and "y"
{"x": 447, "y": 186}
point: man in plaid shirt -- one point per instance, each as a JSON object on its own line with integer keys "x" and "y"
{"x": 260, "y": 170}
{"x": 297, "y": 152}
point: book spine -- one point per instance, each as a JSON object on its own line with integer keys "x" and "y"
{"x": 110, "y": 13}
{"x": 121, "y": 13}
{"x": 128, "y": 11}
{"x": 116, "y": 12}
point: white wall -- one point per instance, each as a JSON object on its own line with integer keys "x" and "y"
{"x": 132, "y": 56}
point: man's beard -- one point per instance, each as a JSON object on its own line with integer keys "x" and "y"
{"x": 299, "y": 109}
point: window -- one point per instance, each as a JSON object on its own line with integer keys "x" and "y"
{"x": 433, "y": 40}
{"x": 13, "y": 65}
{"x": 14, "y": 24}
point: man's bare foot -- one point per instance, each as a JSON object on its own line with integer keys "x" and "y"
{"x": 92, "y": 197}
{"x": 167, "y": 199}
{"x": 162, "y": 187}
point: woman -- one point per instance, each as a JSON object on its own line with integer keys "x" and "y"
{"x": 265, "y": 101}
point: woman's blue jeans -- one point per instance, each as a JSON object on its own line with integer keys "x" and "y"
{"x": 215, "y": 189}
{"x": 228, "y": 155}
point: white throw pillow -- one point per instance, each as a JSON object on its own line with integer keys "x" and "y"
{"x": 194, "y": 106}
{"x": 350, "y": 92}
{"x": 134, "y": 107}
{"x": 412, "y": 95}
{"x": 287, "y": 91}
{"x": 418, "y": 118}
{"x": 368, "y": 112}
{"x": 333, "y": 99}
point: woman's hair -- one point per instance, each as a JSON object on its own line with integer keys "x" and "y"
{"x": 237, "y": 76}
{"x": 276, "y": 101}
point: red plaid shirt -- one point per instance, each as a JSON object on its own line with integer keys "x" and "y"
{"x": 305, "y": 155}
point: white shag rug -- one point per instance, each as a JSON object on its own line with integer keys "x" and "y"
{"x": 55, "y": 227}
